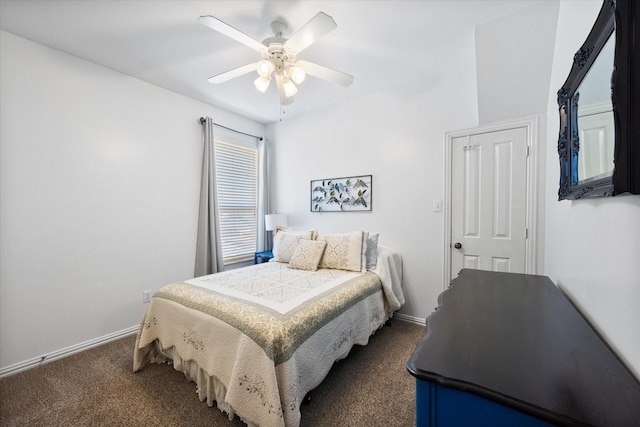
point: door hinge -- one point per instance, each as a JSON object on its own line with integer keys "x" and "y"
{"x": 527, "y": 151}
{"x": 526, "y": 233}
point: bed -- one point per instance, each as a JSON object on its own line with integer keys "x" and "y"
{"x": 257, "y": 340}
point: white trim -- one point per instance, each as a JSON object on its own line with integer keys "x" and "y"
{"x": 68, "y": 351}
{"x": 531, "y": 221}
{"x": 588, "y": 110}
{"x": 411, "y": 319}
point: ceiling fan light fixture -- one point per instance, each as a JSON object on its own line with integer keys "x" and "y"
{"x": 264, "y": 68}
{"x": 297, "y": 74}
{"x": 289, "y": 88}
{"x": 278, "y": 56}
{"x": 262, "y": 83}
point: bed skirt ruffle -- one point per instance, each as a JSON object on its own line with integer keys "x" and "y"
{"x": 208, "y": 387}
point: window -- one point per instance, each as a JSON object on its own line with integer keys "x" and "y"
{"x": 237, "y": 184}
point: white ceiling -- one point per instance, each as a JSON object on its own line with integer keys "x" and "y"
{"x": 381, "y": 43}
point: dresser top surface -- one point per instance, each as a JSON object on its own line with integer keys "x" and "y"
{"x": 516, "y": 339}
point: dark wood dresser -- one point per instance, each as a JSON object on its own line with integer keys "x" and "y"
{"x": 506, "y": 349}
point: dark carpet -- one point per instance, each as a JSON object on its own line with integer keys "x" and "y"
{"x": 97, "y": 387}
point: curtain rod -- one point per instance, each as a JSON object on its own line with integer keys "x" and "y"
{"x": 203, "y": 120}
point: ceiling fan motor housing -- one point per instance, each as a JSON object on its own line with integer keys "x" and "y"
{"x": 279, "y": 57}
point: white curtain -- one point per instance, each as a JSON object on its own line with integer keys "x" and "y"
{"x": 209, "y": 258}
{"x": 262, "y": 242}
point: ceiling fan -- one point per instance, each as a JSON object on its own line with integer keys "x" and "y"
{"x": 279, "y": 56}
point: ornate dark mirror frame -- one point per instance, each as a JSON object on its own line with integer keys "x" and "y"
{"x": 623, "y": 16}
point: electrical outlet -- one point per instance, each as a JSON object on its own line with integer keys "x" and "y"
{"x": 146, "y": 296}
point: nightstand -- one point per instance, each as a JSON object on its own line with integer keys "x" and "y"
{"x": 264, "y": 256}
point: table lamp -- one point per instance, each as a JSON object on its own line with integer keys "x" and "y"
{"x": 271, "y": 221}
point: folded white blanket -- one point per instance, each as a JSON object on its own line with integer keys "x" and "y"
{"x": 389, "y": 269}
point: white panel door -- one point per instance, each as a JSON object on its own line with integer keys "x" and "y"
{"x": 596, "y": 149}
{"x": 488, "y": 201}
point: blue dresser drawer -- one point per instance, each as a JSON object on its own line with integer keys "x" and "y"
{"x": 438, "y": 406}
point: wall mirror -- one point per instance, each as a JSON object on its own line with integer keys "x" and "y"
{"x": 599, "y": 107}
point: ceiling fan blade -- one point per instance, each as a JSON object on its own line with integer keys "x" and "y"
{"x": 284, "y": 100}
{"x": 337, "y": 77}
{"x": 232, "y": 74}
{"x": 231, "y": 32}
{"x": 318, "y": 26}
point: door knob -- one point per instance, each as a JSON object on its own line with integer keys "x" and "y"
{"x": 457, "y": 245}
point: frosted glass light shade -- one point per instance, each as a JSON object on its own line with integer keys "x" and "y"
{"x": 289, "y": 88}
{"x": 264, "y": 68}
{"x": 297, "y": 74}
{"x": 262, "y": 83}
{"x": 272, "y": 221}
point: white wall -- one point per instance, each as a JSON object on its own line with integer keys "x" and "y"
{"x": 99, "y": 188}
{"x": 99, "y": 177}
{"x": 514, "y": 56}
{"x": 398, "y": 137}
{"x": 592, "y": 246}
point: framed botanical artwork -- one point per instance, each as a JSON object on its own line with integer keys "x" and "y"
{"x": 350, "y": 194}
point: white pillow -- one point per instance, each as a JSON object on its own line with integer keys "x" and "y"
{"x": 345, "y": 251}
{"x": 285, "y": 242}
{"x": 307, "y": 254}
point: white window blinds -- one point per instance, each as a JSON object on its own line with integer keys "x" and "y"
{"x": 237, "y": 182}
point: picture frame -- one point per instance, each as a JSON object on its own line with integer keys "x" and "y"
{"x": 346, "y": 194}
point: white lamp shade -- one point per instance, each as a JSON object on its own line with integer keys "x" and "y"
{"x": 272, "y": 221}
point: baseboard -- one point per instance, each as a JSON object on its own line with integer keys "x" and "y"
{"x": 411, "y": 319}
{"x": 68, "y": 351}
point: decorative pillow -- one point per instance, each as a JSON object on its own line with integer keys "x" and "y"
{"x": 345, "y": 251}
{"x": 307, "y": 254}
{"x": 371, "y": 254}
{"x": 285, "y": 242}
